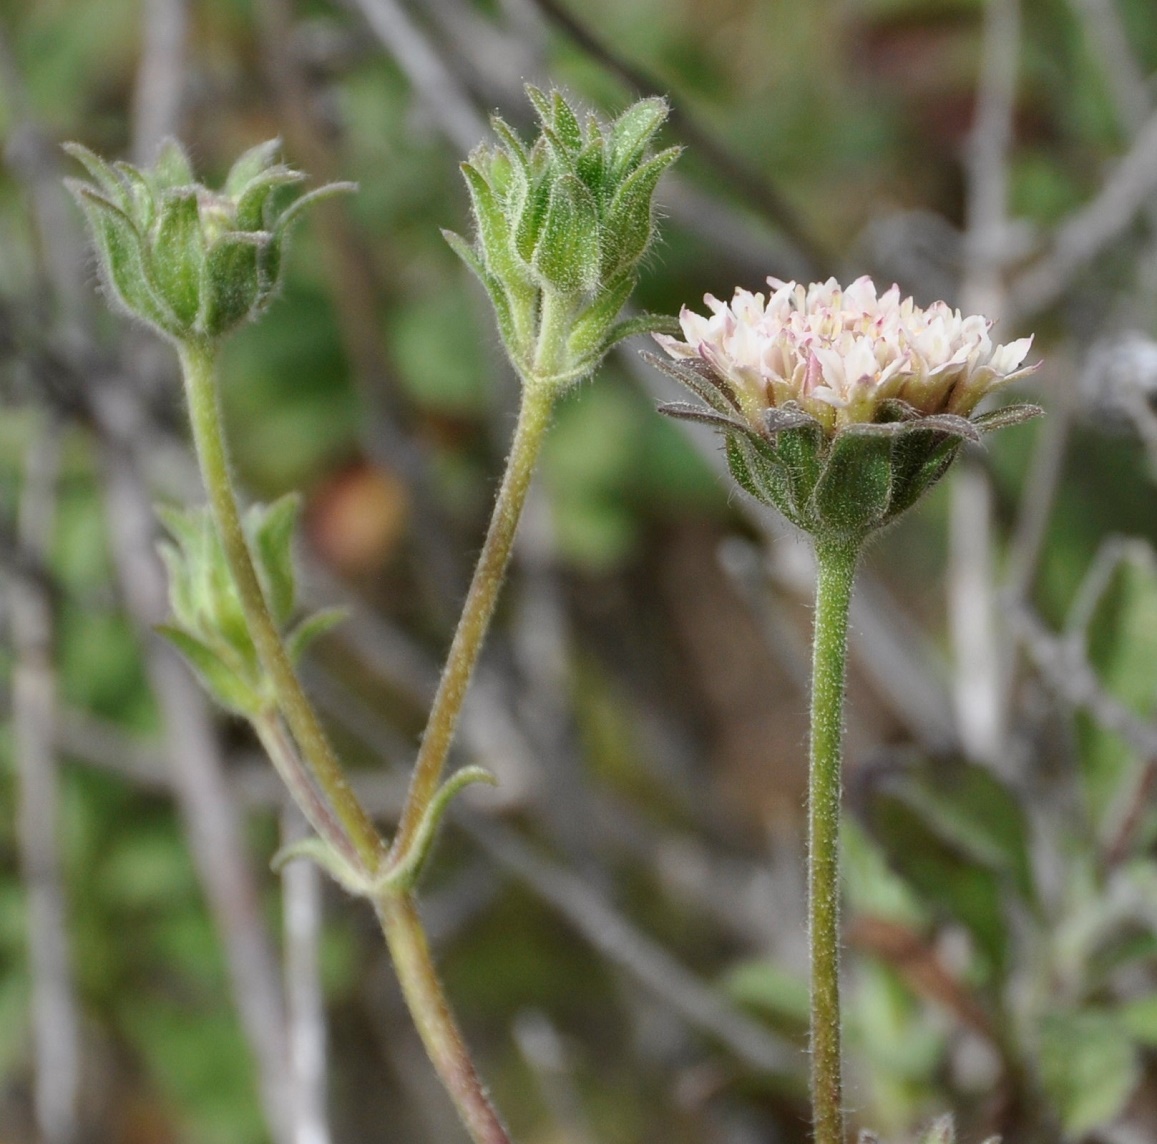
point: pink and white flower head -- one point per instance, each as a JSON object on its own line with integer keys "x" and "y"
{"x": 845, "y": 356}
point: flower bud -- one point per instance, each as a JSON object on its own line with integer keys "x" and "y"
{"x": 561, "y": 227}
{"x": 209, "y": 626}
{"x": 191, "y": 262}
{"x": 840, "y": 408}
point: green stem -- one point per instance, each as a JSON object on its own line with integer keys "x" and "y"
{"x": 835, "y": 568}
{"x": 198, "y": 363}
{"x": 426, "y": 999}
{"x": 282, "y": 752}
{"x": 533, "y": 417}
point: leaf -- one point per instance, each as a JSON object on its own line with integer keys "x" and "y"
{"x": 1088, "y": 1067}
{"x": 178, "y": 254}
{"x": 123, "y": 259}
{"x": 250, "y": 164}
{"x": 854, "y": 490}
{"x": 632, "y": 132}
{"x": 565, "y": 122}
{"x": 1005, "y": 416}
{"x": 271, "y": 529}
{"x": 770, "y": 991}
{"x": 172, "y": 167}
{"x": 312, "y": 628}
{"x": 946, "y": 878}
{"x": 589, "y": 335}
{"x": 629, "y": 222}
{"x": 220, "y": 680}
{"x": 110, "y": 185}
{"x": 234, "y": 282}
{"x": 971, "y": 809}
{"x": 567, "y": 252}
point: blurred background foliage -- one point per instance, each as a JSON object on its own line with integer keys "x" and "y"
{"x": 622, "y": 925}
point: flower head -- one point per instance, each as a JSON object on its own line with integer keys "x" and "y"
{"x": 562, "y": 224}
{"x": 191, "y": 262}
{"x": 840, "y": 406}
{"x": 841, "y": 355}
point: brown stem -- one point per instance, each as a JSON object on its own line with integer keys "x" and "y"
{"x": 426, "y": 999}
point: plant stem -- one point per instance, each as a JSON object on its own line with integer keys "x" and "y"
{"x": 426, "y": 999}
{"x": 198, "y": 364}
{"x": 348, "y": 827}
{"x": 533, "y": 417}
{"x": 835, "y": 568}
{"x": 283, "y": 753}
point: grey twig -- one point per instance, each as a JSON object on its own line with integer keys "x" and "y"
{"x": 160, "y": 76}
{"x": 1128, "y": 89}
{"x": 436, "y": 85}
{"x": 980, "y": 659}
{"x": 752, "y": 186}
{"x": 1091, "y": 228}
{"x": 301, "y": 897}
{"x": 645, "y": 960}
{"x": 55, "y": 1020}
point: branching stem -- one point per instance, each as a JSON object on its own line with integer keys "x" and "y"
{"x": 198, "y": 364}
{"x": 533, "y": 418}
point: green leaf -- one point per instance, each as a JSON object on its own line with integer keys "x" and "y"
{"x": 565, "y": 122}
{"x": 943, "y": 875}
{"x": 220, "y": 680}
{"x": 567, "y": 254}
{"x": 178, "y": 255}
{"x": 255, "y": 199}
{"x": 854, "y": 490}
{"x": 312, "y": 628}
{"x": 235, "y": 285}
{"x": 1088, "y": 1066}
{"x": 590, "y": 330}
{"x": 632, "y": 132}
{"x": 271, "y": 529}
{"x": 772, "y": 992}
{"x": 971, "y": 809}
{"x": 123, "y": 264}
{"x": 110, "y": 185}
{"x": 630, "y": 217}
{"x": 251, "y": 164}
{"x": 172, "y": 167}
{"x": 759, "y": 472}
{"x": 528, "y": 227}
{"x": 494, "y": 235}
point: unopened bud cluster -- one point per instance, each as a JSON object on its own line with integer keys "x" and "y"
{"x": 561, "y": 228}
{"x": 840, "y": 408}
{"x": 191, "y": 262}
{"x": 209, "y": 626}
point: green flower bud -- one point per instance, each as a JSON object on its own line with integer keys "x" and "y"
{"x": 840, "y": 408}
{"x": 209, "y": 626}
{"x": 191, "y": 262}
{"x": 561, "y": 227}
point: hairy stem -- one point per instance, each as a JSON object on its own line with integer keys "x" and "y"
{"x": 836, "y": 565}
{"x": 533, "y": 418}
{"x": 282, "y": 752}
{"x": 426, "y": 999}
{"x": 198, "y": 364}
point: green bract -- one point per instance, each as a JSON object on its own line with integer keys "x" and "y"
{"x": 191, "y": 262}
{"x": 561, "y": 228}
{"x": 209, "y": 626}
{"x": 839, "y": 487}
